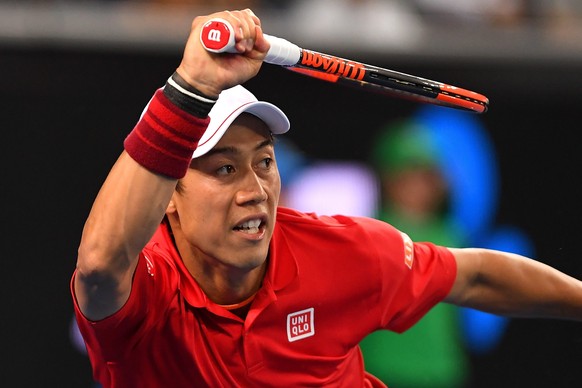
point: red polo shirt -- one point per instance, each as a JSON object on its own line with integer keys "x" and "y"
{"x": 330, "y": 282}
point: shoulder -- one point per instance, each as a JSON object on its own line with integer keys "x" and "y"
{"x": 160, "y": 254}
{"x": 162, "y": 242}
{"x": 289, "y": 216}
{"x": 353, "y": 229}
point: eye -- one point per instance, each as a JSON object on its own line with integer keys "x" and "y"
{"x": 225, "y": 170}
{"x": 266, "y": 163}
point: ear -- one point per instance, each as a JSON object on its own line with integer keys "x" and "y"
{"x": 171, "y": 206}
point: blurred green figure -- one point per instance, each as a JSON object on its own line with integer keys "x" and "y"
{"x": 440, "y": 182}
{"x": 415, "y": 199}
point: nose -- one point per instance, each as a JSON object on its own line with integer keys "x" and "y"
{"x": 251, "y": 189}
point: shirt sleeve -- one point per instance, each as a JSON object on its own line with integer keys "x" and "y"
{"x": 105, "y": 338}
{"x": 414, "y": 276}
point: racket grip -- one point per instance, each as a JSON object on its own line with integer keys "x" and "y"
{"x": 282, "y": 52}
{"x": 217, "y": 35}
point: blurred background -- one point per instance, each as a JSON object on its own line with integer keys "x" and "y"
{"x": 75, "y": 75}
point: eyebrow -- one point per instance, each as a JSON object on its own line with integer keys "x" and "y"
{"x": 235, "y": 150}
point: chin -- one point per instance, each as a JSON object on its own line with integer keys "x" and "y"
{"x": 254, "y": 261}
{"x": 251, "y": 259}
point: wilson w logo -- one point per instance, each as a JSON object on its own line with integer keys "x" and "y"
{"x": 214, "y": 35}
{"x": 333, "y": 65}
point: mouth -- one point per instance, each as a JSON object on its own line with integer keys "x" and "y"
{"x": 251, "y": 226}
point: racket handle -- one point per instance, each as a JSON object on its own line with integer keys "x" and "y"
{"x": 217, "y": 35}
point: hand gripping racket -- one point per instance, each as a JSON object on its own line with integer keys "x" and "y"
{"x": 217, "y": 36}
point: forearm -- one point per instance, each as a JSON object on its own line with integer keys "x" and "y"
{"x": 128, "y": 209}
{"x": 512, "y": 285}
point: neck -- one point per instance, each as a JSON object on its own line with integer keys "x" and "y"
{"x": 222, "y": 281}
{"x": 231, "y": 290}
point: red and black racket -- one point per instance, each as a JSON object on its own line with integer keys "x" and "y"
{"x": 217, "y": 35}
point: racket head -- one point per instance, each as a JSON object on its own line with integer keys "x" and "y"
{"x": 388, "y": 82}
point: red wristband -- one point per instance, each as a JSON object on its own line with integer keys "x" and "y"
{"x": 165, "y": 137}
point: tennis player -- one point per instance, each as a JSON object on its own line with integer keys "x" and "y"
{"x": 190, "y": 275}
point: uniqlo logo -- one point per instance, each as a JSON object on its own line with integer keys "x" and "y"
{"x": 300, "y": 325}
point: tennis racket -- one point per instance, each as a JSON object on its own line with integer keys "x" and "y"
{"x": 217, "y": 35}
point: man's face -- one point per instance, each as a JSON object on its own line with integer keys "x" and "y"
{"x": 227, "y": 207}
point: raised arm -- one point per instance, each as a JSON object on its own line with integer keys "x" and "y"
{"x": 133, "y": 199}
{"x": 513, "y": 285}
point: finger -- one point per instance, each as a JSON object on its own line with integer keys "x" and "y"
{"x": 261, "y": 44}
{"x": 245, "y": 30}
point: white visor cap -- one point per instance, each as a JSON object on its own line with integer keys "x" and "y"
{"x": 230, "y": 104}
